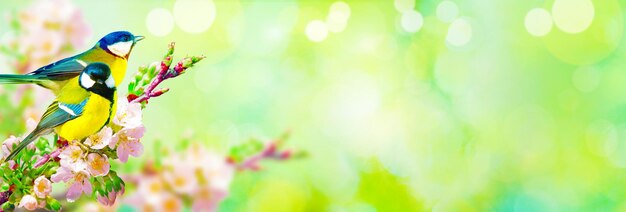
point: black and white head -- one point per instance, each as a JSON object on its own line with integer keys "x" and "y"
{"x": 119, "y": 43}
{"x": 97, "y": 78}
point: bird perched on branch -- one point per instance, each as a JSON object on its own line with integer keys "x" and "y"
{"x": 82, "y": 108}
{"x": 112, "y": 49}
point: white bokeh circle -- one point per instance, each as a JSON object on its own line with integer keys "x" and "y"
{"x": 412, "y": 21}
{"x": 159, "y": 22}
{"x": 316, "y": 31}
{"x": 538, "y": 22}
{"x": 194, "y": 16}
{"x": 573, "y": 16}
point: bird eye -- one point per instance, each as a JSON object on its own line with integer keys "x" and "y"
{"x": 126, "y": 38}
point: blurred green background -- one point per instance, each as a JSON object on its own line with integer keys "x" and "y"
{"x": 453, "y": 105}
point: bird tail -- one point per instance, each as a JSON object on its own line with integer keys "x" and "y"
{"x": 29, "y": 139}
{"x": 20, "y": 79}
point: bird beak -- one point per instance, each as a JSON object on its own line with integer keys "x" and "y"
{"x": 139, "y": 38}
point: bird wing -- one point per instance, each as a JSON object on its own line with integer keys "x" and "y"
{"x": 63, "y": 69}
{"x": 59, "y": 113}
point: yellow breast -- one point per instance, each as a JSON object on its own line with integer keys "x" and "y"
{"x": 96, "y": 113}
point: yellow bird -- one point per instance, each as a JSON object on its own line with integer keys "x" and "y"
{"x": 113, "y": 50}
{"x": 83, "y": 107}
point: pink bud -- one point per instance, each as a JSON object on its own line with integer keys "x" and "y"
{"x": 160, "y": 92}
{"x": 179, "y": 68}
{"x": 164, "y": 66}
{"x": 285, "y": 154}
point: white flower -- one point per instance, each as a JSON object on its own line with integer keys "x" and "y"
{"x": 128, "y": 115}
{"x": 29, "y": 202}
{"x": 100, "y": 139}
{"x": 42, "y": 187}
{"x": 73, "y": 157}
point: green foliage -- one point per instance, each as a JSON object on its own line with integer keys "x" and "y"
{"x": 387, "y": 192}
{"x": 245, "y": 150}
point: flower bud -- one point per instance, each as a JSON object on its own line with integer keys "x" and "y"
{"x": 53, "y": 204}
{"x": 131, "y": 97}
{"x": 179, "y": 68}
{"x": 143, "y": 69}
{"x": 145, "y": 80}
{"x": 138, "y": 76}
{"x": 170, "y": 51}
{"x": 160, "y": 92}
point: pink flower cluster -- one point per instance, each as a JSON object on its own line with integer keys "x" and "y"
{"x": 48, "y": 29}
{"x": 80, "y": 161}
{"x": 42, "y": 189}
{"x": 9, "y": 143}
{"x": 202, "y": 176}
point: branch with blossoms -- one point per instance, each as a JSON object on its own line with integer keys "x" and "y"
{"x": 145, "y": 82}
{"x": 26, "y": 181}
{"x": 197, "y": 178}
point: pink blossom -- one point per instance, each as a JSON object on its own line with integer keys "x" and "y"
{"x": 182, "y": 178}
{"x": 149, "y": 195}
{"x": 109, "y": 200}
{"x": 128, "y": 114}
{"x": 128, "y": 143}
{"x": 217, "y": 172}
{"x": 73, "y": 157}
{"x": 42, "y": 187}
{"x": 98, "y": 165}
{"x": 7, "y": 145}
{"x": 29, "y": 202}
{"x": 212, "y": 165}
{"x": 78, "y": 179}
{"x": 171, "y": 203}
{"x": 207, "y": 199}
{"x": 43, "y": 45}
{"x": 100, "y": 139}
{"x": 49, "y": 29}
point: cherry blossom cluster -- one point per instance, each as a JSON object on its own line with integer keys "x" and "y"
{"x": 196, "y": 178}
{"x": 42, "y": 32}
{"x": 83, "y": 165}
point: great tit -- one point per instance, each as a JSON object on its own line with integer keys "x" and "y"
{"x": 83, "y": 107}
{"x": 113, "y": 50}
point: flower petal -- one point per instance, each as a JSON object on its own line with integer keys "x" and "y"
{"x": 74, "y": 192}
{"x": 122, "y": 153}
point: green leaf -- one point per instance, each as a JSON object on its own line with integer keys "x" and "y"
{"x": 53, "y": 204}
{"x": 5, "y": 186}
{"x": 8, "y": 206}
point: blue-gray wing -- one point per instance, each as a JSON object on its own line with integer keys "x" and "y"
{"x": 62, "y": 69}
{"x": 59, "y": 113}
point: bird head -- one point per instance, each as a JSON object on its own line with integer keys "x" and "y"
{"x": 97, "y": 78}
{"x": 119, "y": 43}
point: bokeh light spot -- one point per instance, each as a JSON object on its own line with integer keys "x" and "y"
{"x": 194, "y": 16}
{"x": 338, "y": 17}
{"x": 412, "y": 21}
{"x": 593, "y": 44}
{"x": 447, "y": 11}
{"x": 538, "y": 22}
{"x": 573, "y": 16}
{"x": 316, "y": 31}
{"x": 459, "y": 33}
{"x": 404, "y": 5}
{"x": 160, "y": 22}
